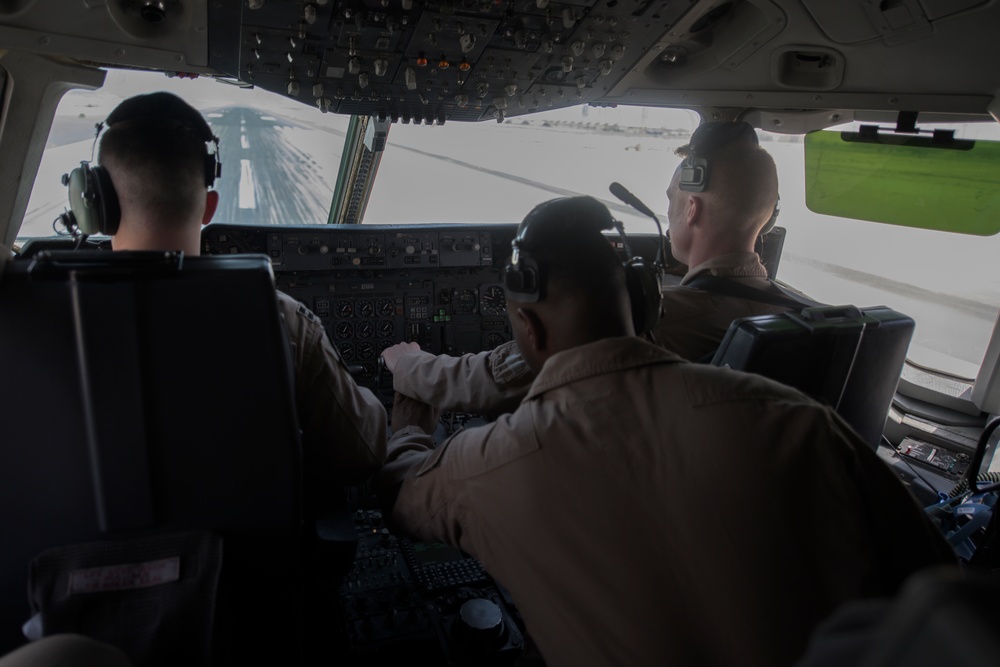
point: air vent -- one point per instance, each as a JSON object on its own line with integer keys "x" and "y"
{"x": 807, "y": 68}
{"x": 147, "y": 19}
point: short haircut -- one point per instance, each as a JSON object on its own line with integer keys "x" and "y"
{"x": 160, "y": 160}
{"x": 745, "y": 185}
{"x": 743, "y": 178}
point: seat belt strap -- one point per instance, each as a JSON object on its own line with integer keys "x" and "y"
{"x": 779, "y": 297}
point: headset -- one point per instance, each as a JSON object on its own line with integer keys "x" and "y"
{"x": 524, "y": 277}
{"x": 707, "y": 138}
{"x": 93, "y": 202}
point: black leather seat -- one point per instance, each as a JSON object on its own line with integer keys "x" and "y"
{"x": 847, "y": 357}
{"x": 151, "y": 450}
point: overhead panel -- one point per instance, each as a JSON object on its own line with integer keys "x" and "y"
{"x": 466, "y": 60}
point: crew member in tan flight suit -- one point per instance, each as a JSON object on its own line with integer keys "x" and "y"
{"x": 154, "y": 150}
{"x": 641, "y": 509}
{"x": 712, "y": 229}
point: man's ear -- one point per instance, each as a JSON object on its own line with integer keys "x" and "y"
{"x": 534, "y": 329}
{"x": 211, "y": 205}
{"x": 695, "y": 209}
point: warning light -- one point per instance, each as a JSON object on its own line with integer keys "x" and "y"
{"x": 421, "y": 61}
{"x": 464, "y": 66}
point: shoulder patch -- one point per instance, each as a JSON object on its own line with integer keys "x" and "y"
{"x": 306, "y": 313}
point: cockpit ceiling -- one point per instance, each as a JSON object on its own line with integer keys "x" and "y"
{"x": 472, "y": 60}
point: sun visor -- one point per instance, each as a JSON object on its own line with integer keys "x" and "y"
{"x": 924, "y": 181}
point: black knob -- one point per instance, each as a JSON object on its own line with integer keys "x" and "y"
{"x": 479, "y": 620}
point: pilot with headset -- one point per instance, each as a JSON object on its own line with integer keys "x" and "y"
{"x": 723, "y": 196}
{"x": 152, "y": 190}
{"x": 640, "y": 509}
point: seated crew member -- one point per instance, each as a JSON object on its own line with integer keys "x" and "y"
{"x": 713, "y": 231}
{"x": 718, "y": 530}
{"x": 155, "y": 151}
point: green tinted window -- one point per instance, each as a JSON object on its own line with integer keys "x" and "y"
{"x": 906, "y": 183}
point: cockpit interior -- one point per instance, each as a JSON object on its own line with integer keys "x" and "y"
{"x": 376, "y": 158}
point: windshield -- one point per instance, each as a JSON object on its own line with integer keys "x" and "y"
{"x": 279, "y": 156}
{"x": 280, "y": 162}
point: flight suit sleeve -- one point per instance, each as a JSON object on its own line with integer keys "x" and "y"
{"x": 489, "y": 383}
{"x": 344, "y": 426}
{"x": 439, "y": 491}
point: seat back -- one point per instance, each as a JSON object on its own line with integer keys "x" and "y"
{"x": 847, "y": 357}
{"x": 941, "y": 616}
{"x": 150, "y": 397}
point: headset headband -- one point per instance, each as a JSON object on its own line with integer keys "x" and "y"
{"x": 162, "y": 107}
{"x": 167, "y": 108}
{"x": 550, "y": 222}
{"x": 558, "y": 221}
{"x": 708, "y": 138}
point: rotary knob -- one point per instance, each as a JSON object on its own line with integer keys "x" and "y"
{"x": 480, "y": 621}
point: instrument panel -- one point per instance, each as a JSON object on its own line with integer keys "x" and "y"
{"x": 374, "y": 286}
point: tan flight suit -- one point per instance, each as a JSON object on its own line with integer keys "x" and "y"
{"x": 695, "y": 321}
{"x": 343, "y": 425}
{"x": 643, "y": 510}
{"x": 491, "y": 383}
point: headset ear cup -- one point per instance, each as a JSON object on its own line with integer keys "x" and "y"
{"x": 82, "y": 202}
{"x": 694, "y": 175}
{"x": 92, "y": 200}
{"x": 644, "y": 293}
{"x": 110, "y": 210}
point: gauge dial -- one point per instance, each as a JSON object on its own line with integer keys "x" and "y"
{"x": 364, "y": 308}
{"x": 345, "y": 309}
{"x": 386, "y": 328}
{"x": 365, "y": 329}
{"x": 492, "y": 340}
{"x": 343, "y": 330}
{"x": 494, "y": 301}
{"x": 386, "y": 308}
{"x": 464, "y": 300}
{"x": 347, "y": 352}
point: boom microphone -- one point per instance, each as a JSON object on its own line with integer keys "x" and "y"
{"x": 618, "y": 190}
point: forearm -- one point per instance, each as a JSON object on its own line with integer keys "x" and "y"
{"x": 408, "y": 448}
{"x": 488, "y": 382}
